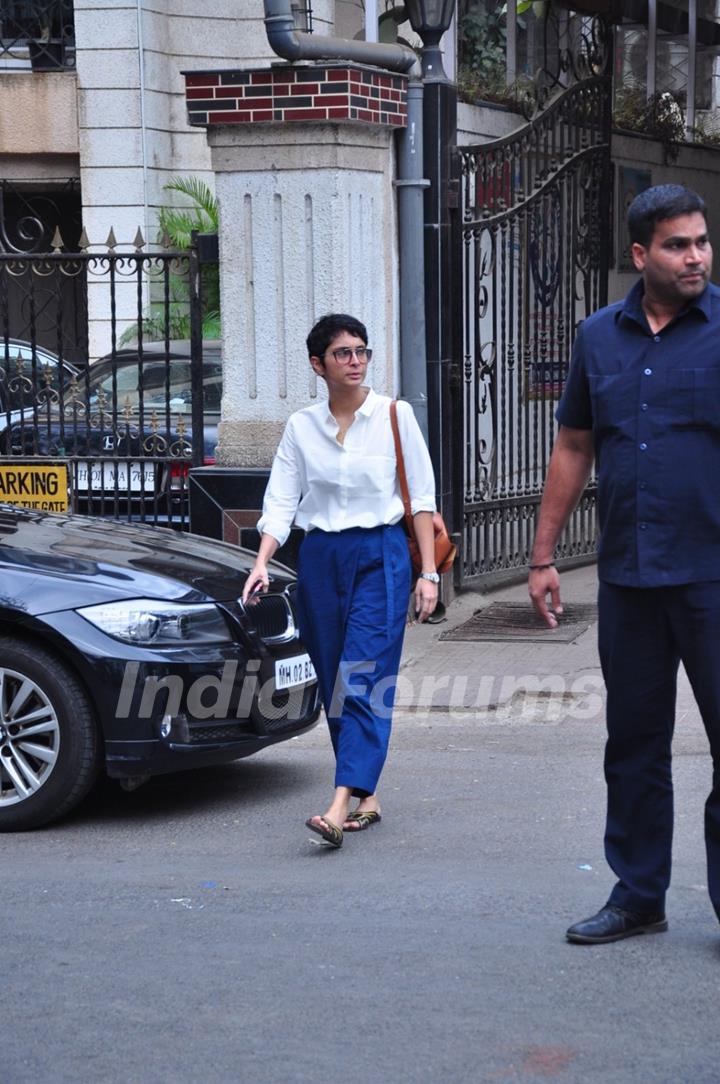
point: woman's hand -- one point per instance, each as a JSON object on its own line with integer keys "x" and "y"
{"x": 257, "y": 581}
{"x": 426, "y": 597}
{"x": 426, "y": 592}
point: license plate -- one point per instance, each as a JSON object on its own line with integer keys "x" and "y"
{"x": 100, "y": 477}
{"x": 297, "y": 670}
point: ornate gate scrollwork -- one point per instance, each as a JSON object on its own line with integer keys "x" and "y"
{"x": 534, "y": 235}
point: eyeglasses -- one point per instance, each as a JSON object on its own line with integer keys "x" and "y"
{"x": 344, "y": 354}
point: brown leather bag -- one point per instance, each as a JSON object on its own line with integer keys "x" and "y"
{"x": 445, "y": 551}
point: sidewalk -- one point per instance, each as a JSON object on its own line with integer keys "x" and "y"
{"x": 440, "y": 675}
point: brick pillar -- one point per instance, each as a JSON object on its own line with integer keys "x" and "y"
{"x": 304, "y": 165}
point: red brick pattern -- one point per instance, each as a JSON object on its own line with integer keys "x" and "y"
{"x": 316, "y": 93}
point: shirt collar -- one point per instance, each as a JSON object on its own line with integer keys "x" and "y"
{"x": 371, "y": 402}
{"x": 632, "y": 306}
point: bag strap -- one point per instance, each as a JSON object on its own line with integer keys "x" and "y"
{"x": 402, "y": 476}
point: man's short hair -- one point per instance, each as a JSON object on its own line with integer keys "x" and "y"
{"x": 329, "y": 327}
{"x": 657, "y": 204}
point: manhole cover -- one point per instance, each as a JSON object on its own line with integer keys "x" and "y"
{"x": 518, "y": 621}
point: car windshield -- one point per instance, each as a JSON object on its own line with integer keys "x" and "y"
{"x": 154, "y": 384}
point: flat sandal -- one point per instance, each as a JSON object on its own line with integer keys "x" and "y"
{"x": 363, "y": 819}
{"x": 330, "y": 832}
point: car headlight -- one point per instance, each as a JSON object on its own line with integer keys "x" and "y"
{"x": 157, "y": 624}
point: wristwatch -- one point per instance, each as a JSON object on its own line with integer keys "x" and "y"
{"x": 432, "y": 576}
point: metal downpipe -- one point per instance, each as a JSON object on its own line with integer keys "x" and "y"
{"x": 410, "y": 186}
{"x": 294, "y": 44}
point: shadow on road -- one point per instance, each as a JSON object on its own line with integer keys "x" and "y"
{"x": 244, "y": 785}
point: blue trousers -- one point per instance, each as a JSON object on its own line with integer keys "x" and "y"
{"x": 353, "y": 590}
{"x": 644, "y": 634}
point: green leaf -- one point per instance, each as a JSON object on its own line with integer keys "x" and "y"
{"x": 200, "y": 194}
{"x": 178, "y": 223}
{"x": 524, "y": 6}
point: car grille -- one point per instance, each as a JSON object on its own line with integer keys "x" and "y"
{"x": 277, "y": 713}
{"x": 229, "y": 732}
{"x": 281, "y": 712}
{"x": 272, "y": 618}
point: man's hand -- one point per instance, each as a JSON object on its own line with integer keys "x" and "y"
{"x": 541, "y": 583}
{"x": 568, "y": 472}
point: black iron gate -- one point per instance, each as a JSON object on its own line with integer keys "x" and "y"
{"x": 535, "y": 233}
{"x": 132, "y": 406}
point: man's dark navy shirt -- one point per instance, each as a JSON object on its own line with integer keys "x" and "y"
{"x": 653, "y": 404}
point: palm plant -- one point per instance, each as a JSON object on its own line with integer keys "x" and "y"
{"x": 169, "y": 315}
{"x": 178, "y": 223}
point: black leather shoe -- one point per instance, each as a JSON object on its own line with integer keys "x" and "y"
{"x": 612, "y": 924}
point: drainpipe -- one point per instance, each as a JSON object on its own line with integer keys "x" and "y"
{"x": 292, "y": 44}
{"x": 411, "y": 229}
{"x": 692, "y": 69}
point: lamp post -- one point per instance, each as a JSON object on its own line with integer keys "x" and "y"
{"x": 430, "y": 19}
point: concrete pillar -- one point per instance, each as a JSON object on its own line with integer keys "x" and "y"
{"x": 307, "y": 227}
{"x": 304, "y": 169}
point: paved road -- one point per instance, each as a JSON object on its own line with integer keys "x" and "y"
{"x": 191, "y": 931}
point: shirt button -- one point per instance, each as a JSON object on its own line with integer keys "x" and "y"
{"x": 648, "y": 372}
{"x": 657, "y": 338}
{"x": 643, "y": 485}
{"x": 643, "y": 526}
{"x": 643, "y": 446}
{"x": 644, "y": 406}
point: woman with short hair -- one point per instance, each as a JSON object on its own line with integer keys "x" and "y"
{"x": 334, "y": 474}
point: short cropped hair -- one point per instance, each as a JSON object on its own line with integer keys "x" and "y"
{"x": 329, "y": 327}
{"x": 657, "y": 204}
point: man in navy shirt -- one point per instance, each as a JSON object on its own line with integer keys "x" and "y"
{"x": 642, "y": 399}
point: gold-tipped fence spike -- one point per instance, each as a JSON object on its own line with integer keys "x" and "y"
{"x": 139, "y": 241}
{"x": 57, "y": 241}
{"x": 83, "y": 241}
{"x": 111, "y": 242}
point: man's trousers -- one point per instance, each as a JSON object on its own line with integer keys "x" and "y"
{"x": 353, "y": 591}
{"x": 644, "y": 633}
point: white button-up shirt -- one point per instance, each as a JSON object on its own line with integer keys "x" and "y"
{"x": 317, "y": 482}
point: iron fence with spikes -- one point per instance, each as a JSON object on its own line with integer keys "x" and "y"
{"x": 103, "y": 368}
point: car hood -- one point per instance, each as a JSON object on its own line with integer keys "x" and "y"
{"x": 63, "y": 561}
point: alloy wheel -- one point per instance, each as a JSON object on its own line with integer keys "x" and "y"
{"x": 29, "y": 737}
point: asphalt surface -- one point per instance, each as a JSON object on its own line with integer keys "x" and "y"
{"x": 195, "y": 930}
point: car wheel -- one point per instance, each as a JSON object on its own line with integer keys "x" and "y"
{"x": 49, "y": 747}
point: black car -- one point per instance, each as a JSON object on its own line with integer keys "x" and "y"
{"x": 125, "y": 426}
{"x": 128, "y": 648}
